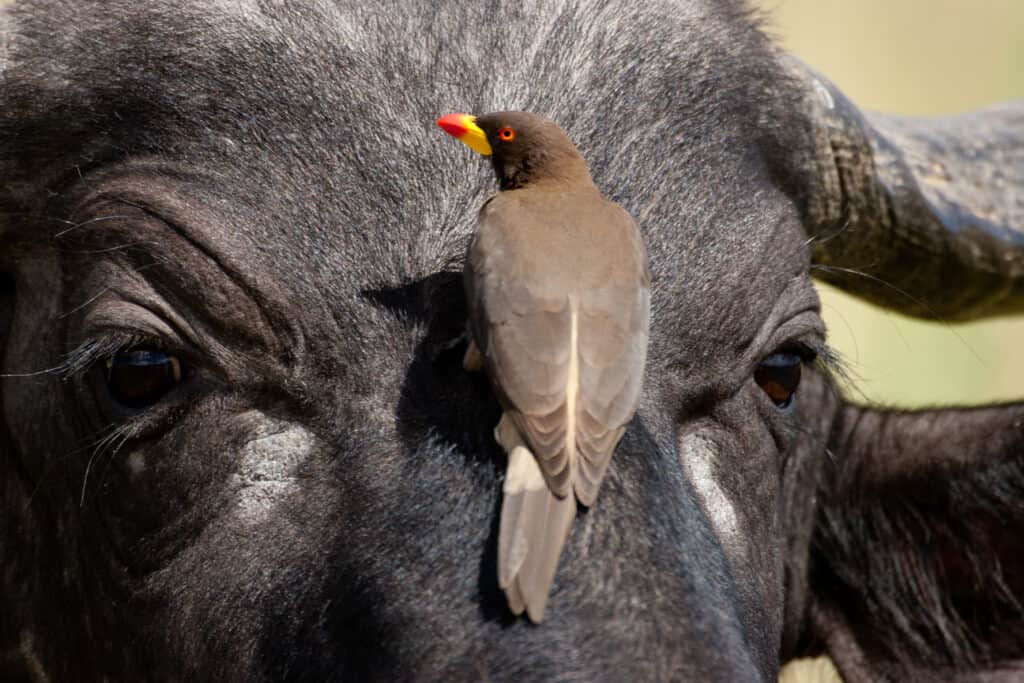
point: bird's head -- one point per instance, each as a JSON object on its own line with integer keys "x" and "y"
{"x": 524, "y": 148}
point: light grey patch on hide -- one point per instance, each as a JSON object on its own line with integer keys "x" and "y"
{"x": 267, "y": 467}
{"x": 700, "y": 457}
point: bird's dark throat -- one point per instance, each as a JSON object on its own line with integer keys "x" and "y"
{"x": 512, "y": 176}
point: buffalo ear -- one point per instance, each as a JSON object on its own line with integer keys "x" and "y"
{"x": 916, "y": 567}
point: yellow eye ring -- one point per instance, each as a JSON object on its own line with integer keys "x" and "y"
{"x": 507, "y": 134}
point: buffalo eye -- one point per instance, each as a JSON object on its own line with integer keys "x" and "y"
{"x": 779, "y": 376}
{"x": 138, "y": 378}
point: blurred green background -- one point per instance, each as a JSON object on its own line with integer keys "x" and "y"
{"x": 927, "y": 57}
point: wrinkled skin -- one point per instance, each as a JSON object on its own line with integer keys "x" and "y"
{"x": 258, "y": 190}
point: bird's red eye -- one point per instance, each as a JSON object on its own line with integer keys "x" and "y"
{"x": 507, "y": 134}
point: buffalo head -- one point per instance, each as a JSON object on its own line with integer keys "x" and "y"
{"x": 237, "y": 441}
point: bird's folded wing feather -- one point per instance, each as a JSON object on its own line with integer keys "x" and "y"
{"x": 570, "y": 402}
{"x": 613, "y": 331}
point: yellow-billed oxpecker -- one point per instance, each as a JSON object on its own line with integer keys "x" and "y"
{"x": 558, "y": 292}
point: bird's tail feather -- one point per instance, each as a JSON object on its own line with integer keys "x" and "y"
{"x": 534, "y": 526}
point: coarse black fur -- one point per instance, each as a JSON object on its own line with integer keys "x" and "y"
{"x": 258, "y": 188}
{"x": 915, "y": 548}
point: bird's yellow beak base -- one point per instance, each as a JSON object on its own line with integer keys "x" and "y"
{"x": 463, "y": 127}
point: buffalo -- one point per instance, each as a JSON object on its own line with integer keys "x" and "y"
{"x": 236, "y": 439}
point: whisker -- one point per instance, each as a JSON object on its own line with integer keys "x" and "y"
{"x": 840, "y": 374}
{"x": 35, "y": 217}
{"x": 107, "y": 289}
{"x": 818, "y": 239}
{"x": 49, "y": 371}
{"x": 102, "y": 449}
{"x": 896, "y": 328}
{"x": 53, "y": 462}
{"x": 110, "y": 249}
{"x": 113, "y": 454}
{"x": 849, "y": 328}
{"x": 935, "y": 316}
{"x": 83, "y": 224}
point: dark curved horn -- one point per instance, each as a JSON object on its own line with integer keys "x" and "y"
{"x": 929, "y": 213}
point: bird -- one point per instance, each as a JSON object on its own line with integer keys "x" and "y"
{"x": 558, "y": 297}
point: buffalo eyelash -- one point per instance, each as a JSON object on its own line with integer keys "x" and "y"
{"x": 91, "y": 351}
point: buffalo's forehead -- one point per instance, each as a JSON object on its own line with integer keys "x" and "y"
{"x": 303, "y": 139}
{"x": 281, "y": 165}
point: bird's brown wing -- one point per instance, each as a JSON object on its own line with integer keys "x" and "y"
{"x": 521, "y": 321}
{"x": 613, "y": 333}
{"x": 564, "y": 350}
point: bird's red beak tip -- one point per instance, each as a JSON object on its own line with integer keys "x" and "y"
{"x": 453, "y": 124}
